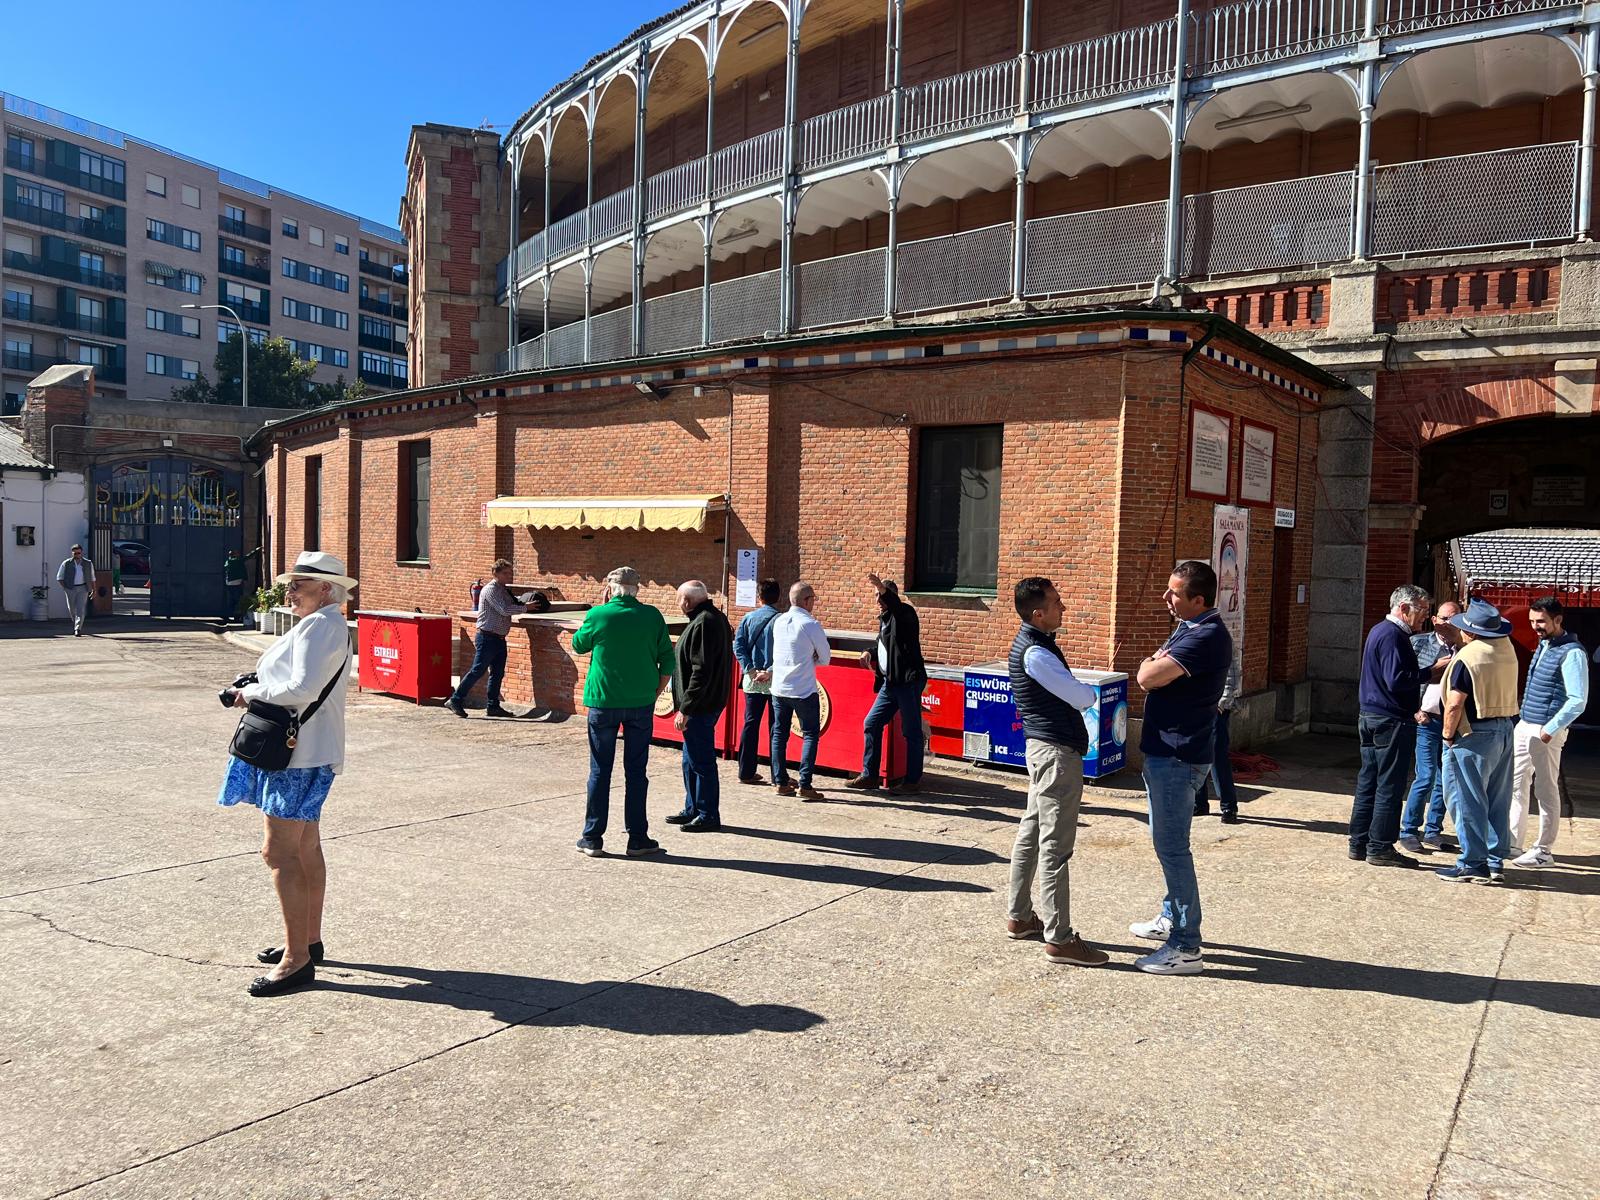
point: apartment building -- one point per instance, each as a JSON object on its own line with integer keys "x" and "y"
{"x": 109, "y": 239}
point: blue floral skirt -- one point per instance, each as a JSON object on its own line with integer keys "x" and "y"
{"x": 295, "y": 794}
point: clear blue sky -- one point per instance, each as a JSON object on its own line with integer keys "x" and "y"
{"x": 349, "y": 78}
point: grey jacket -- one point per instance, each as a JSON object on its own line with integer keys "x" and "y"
{"x": 64, "y": 576}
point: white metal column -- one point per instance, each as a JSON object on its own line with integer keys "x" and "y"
{"x": 512, "y": 281}
{"x": 891, "y": 256}
{"x": 790, "y": 200}
{"x": 1019, "y": 229}
{"x": 1174, "y": 256}
{"x": 706, "y": 224}
{"x": 640, "y": 206}
{"x": 1591, "y": 75}
{"x": 1361, "y": 218}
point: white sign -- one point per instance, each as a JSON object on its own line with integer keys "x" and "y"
{"x": 1258, "y": 447}
{"x": 1284, "y": 518}
{"x": 1208, "y": 452}
{"x": 1558, "y": 491}
{"x": 1499, "y": 502}
{"x": 1230, "y": 558}
{"x": 744, "y": 592}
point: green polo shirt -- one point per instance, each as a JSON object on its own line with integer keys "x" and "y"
{"x": 630, "y": 652}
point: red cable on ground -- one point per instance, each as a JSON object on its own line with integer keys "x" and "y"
{"x": 1247, "y": 768}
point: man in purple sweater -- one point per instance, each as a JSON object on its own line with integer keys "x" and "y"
{"x": 1390, "y": 697}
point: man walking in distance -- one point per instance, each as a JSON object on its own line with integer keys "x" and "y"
{"x": 1422, "y": 820}
{"x": 752, "y": 646}
{"x": 799, "y": 647}
{"x": 76, "y": 577}
{"x": 1480, "y": 704}
{"x": 631, "y": 661}
{"x": 232, "y": 585}
{"x": 1556, "y": 693}
{"x": 702, "y": 669}
{"x": 1050, "y": 704}
{"x": 1390, "y": 696}
{"x": 495, "y": 610}
{"x": 899, "y": 678}
{"x": 1184, "y": 681}
{"x": 1221, "y": 764}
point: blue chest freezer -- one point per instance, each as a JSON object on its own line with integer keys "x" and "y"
{"x": 991, "y": 731}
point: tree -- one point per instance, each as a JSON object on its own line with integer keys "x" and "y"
{"x": 278, "y": 379}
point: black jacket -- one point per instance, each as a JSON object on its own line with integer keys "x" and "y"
{"x": 900, "y": 633}
{"x": 704, "y": 665}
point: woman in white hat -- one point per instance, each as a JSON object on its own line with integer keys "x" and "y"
{"x": 311, "y": 660}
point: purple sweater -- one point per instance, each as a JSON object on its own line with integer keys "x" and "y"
{"x": 1391, "y": 680}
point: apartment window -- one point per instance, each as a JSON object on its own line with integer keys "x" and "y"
{"x": 416, "y": 488}
{"x": 172, "y": 235}
{"x": 20, "y": 148}
{"x": 234, "y": 213}
{"x": 226, "y": 330}
{"x": 91, "y": 310}
{"x": 233, "y": 256}
{"x": 189, "y": 282}
{"x": 19, "y": 243}
{"x": 166, "y": 322}
{"x": 191, "y": 196}
{"x": 91, "y": 212}
{"x": 240, "y": 293}
{"x": 11, "y": 403}
{"x": 36, "y": 196}
{"x": 341, "y": 358}
{"x": 291, "y": 227}
{"x": 958, "y": 508}
{"x": 155, "y": 184}
{"x": 92, "y": 356}
{"x": 313, "y": 538}
{"x": 314, "y": 235}
{"x": 19, "y": 302}
{"x": 102, "y": 166}
{"x": 166, "y": 364}
{"x": 376, "y": 364}
{"x": 91, "y": 262}
{"x": 341, "y": 244}
{"x": 18, "y": 348}
{"x": 341, "y": 283}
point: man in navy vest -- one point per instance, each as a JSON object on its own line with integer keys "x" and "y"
{"x": 1050, "y": 703}
{"x": 1556, "y": 693}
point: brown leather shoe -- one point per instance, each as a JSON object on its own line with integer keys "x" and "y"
{"x": 906, "y": 789}
{"x": 1017, "y": 930}
{"x": 786, "y": 789}
{"x": 1074, "y": 953}
{"x": 753, "y": 779}
{"x": 862, "y": 783}
{"x": 811, "y": 793}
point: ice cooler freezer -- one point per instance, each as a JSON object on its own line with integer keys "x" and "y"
{"x": 992, "y": 732}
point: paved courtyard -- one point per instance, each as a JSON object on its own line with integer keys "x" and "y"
{"x": 817, "y": 1002}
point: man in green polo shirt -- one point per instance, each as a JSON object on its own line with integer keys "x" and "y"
{"x": 232, "y": 584}
{"x": 630, "y": 662}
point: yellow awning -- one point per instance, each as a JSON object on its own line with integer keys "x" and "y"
{"x": 605, "y": 512}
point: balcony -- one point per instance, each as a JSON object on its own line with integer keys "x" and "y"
{"x": 391, "y": 274}
{"x": 371, "y": 341}
{"x": 243, "y": 229}
{"x": 243, "y": 270}
{"x": 39, "y": 314}
{"x": 382, "y": 307}
{"x": 380, "y": 379}
{"x": 72, "y": 176}
{"x": 36, "y": 264}
{"x": 248, "y": 310}
{"x": 112, "y": 233}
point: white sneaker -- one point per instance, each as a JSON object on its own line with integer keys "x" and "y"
{"x": 1535, "y": 858}
{"x": 1155, "y": 931}
{"x": 1169, "y": 960}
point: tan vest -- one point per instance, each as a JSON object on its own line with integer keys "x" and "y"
{"x": 1492, "y": 665}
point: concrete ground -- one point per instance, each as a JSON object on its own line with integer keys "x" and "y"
{"x": 816, "y": 1002}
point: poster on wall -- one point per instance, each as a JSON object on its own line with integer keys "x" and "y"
{"x": 1230, "y": 558}
{"x": 1209, "y": 434}
{"x": 1258, "y": 448}
{"x": 744, "y": 591}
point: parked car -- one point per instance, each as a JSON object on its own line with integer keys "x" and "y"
{"x": 132, "y": 557}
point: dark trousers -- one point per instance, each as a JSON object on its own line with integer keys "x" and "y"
{"x": 784, "y": 710}
{"x": 756, "y": 706}
{"x": 488, "y": 654}
{"x": 1221, "y": 771}
{"x": 702, "y": 786}
{"x": 907, "y": 701}
{"x": 1388, "y": 746}
{"x": 635, "y": 726}
{"x": 234, "y": 592}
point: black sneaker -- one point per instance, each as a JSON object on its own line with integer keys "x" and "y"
{"x": 1202, "y": 808}
{"x": 680, "y": 818}
{"x": 593, "y": 847}
{"x": 456, "y": 706}
{"x": 1230, "y": 818}
{"x": 640, "y": 849}
{"x": 701, "y": 825}
{"x": 1391, "y": 859}
{"x": 494, "y": 710}
{"x": 1358, "y": 855}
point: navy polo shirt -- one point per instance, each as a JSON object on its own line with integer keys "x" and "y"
{"x": 1180, "y": 719}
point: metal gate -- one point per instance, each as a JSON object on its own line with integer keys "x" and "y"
{"x": 170, "y": 522}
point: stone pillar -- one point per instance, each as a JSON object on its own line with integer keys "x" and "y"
{"x": 59, "y": 396}
{"x": 457, "y": 217}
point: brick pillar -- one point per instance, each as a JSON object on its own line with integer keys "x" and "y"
{"x": 755, "y": 499}
{"x": 278, "y": 506}
{"x": 60, "y": 396}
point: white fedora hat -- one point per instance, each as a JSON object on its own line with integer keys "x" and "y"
{"x": 314, "y": 564}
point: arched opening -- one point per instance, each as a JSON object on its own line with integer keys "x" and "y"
{"x": 564, "y": 337}
{"x": 675, "y": 126}
{"x": 841, "y": 231}
{"x": 747, "y": 135}
{"x": 611, "y": 304}
{"x": 615, "y": 120}
{"x": 745, "y": 258}
{"x": 530, "y": 188}
{"x": 569, "y": 181}
{"x": 954, "y": 228}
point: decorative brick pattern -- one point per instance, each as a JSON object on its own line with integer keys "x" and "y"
{"x": 1451, "y": 293}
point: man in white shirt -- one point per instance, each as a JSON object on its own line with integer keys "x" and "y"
{"x": 799, "y": 647}
{"x": 76, "y": 578}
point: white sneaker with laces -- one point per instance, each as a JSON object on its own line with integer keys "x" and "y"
{"x": 1536, "y": 858}
{"x": 1169, "y": 960}
{"x": 1155, "y": 931}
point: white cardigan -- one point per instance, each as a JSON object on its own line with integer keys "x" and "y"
{"x": 294, "y": 672}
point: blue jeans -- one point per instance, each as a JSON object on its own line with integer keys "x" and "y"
{"x": 783, "y": 710}
{"x": 756, "y": 706}
{"x": 1387, "y": 747}
{"x": 1171, "y": 784}
{"x": 488, "y": 654}
{"x": 1428, "y": 787}
{"x": 1478, "y": 776}
{"x": 1221, "y": 770}
{"x": 906, "y": 699}
{"x": 636, "y": 727}
{"x": 702, "y": 786}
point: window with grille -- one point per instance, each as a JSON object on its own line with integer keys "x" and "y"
{"x": 416, "y": 476}
{"x": 958, "y": 508}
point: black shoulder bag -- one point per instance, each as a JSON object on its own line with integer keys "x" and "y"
{"x": 267, "y": 733}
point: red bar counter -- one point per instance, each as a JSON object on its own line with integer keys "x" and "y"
{"x": 404, "y": 653}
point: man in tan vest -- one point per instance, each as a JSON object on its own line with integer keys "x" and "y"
{"x": 1479, "y": 711}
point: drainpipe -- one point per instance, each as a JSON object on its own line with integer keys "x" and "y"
{"x": 891, "y": 256}
{"x": 1361, "y": 219}
{"x": 1019, "y": 228}
{"x": 1591, "y": 70}
{"x": 1174, "y": 257}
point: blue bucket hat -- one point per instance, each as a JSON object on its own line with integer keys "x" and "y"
{"x": 1482, "y": 619}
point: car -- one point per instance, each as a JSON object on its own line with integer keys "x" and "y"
{"x": 132, "y": 557}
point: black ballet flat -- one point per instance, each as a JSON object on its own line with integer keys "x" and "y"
{"x": 274, "y": 954}
{"x": 262, "y": 986}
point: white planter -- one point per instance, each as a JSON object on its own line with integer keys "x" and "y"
{"x": 38, "y": 610}
{"x": 249, "y": 619}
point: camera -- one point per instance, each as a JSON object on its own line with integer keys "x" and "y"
{"x": 227, "y": 694}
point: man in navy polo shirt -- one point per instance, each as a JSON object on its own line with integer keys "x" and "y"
{"x": 1184, "y": 680}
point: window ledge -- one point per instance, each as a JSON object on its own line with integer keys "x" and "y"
{"x": 412, "y": 562}
{"x": 973, "y": 600}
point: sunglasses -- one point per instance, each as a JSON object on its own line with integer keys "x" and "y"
{"x": 296, "y": 584}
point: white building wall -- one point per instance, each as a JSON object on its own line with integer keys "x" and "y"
{"x": 55, "y": 508}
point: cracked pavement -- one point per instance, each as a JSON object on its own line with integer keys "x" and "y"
{"x": 819, "y": 1001}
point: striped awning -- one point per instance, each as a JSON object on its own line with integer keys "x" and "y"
{"x": 605, "y": 512}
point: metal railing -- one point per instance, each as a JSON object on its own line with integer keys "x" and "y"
{"x": 1259, "y": 31}
{"x": 49, "y": 218}
{"x": 978, "y": 97}
{"x": 116, "y": 189}
{"x": 1103, "y": 248}
{"x": 747, "y": 164}
{"x": 1499, "y": 198}
{"x": 243, "y": 229}
{"x": 565, "y": 344}
{"x": 65, "y": 318}
{"x": 672, "y": 322}
{"x": 395, "y": 273}
{"x": 611, "y": 334}
{"x": 744, "y": 308}
{"x": 566, "y": 235}
{"x": 384, "y": 309}
{"x": 1269, "y": 226}
{"x": 957, "y": 269}
{"x": 612, "y": 214}
{"x": 859, "y": 128}
{"x": 1115, "y": 64}
{"x": 243, "y": 270}
{"x": 675, "y": 189}
{"x": 1409, "y": 16}
{"x": 71, "y": 272}
{"x": 837, "y": 291}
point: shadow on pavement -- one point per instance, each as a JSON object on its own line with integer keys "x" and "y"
{"x": 825, "y": 872}
{"x": 901, "y": 849}
{"x": 643, "y": 1008}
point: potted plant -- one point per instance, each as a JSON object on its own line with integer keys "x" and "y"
{"x": 38, "y": 603}
{"x": 266, "y": 600}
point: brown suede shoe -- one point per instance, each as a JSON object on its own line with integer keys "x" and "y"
{"x": 1074, "y": 953}
{"x": 786, "y": 789}
{"x": 906, "y": 789}
{"x": 1017, "y": 930}
{"x": 811, "y": 793}
{"x": 862, "y": 783}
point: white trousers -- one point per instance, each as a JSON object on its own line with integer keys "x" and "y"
{"x": 1530, "y": 755}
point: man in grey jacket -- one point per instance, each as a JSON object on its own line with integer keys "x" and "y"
{"x": 76, "y": 577}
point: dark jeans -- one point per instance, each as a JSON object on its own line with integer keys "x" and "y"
{"x": 234, "y": 592}
{"x": 635, "y": 724}
{"x": 810, "y": 712}
{"x": 905, "y": 699}
{"x": 756, "y": 706}
{"x": 702, "y": 786}
{"x": 1388, "y": 746}
{"x": 1221, "y": 770}
{"x": 488, "y": 654}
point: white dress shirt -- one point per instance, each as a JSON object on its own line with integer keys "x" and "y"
{"x": 1050, "y": 673}
{"x": 293, "y": 672}
{"x": 799, "y": 647}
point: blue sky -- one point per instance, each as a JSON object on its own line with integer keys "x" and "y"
{"x": 351, "y": 78}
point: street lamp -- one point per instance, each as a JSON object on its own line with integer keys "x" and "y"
{"x": 244, "y": 348}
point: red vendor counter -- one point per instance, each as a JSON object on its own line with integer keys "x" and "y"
{"x": 405, "y": 653}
